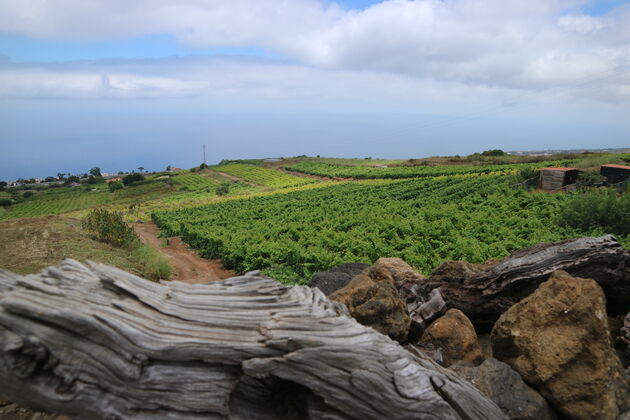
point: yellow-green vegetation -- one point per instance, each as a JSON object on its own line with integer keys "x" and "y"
{"x": 263, "y": 176}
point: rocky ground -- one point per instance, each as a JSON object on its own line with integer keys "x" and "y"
{"x": 559, "y": 336}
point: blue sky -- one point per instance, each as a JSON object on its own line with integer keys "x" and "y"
{"x": 121, "y": 84}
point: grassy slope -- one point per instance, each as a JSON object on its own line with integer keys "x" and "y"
{"x": 28, "y": 245}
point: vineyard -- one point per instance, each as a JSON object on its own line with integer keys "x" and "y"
{"x": 262, "y": 176}
{"x": 399, "y": 172}
{"x": 59, "y": 203}
{"x": 195, "y": 182}
{"x": 424, "y": 221}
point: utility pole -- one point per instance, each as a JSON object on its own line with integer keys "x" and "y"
{"x": 204, "y": 153}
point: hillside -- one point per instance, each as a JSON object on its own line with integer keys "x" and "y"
{"x": 293, "y": 217}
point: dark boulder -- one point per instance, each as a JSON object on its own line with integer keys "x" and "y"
{"x": 499, "y": 382}
{"x": 337, "y": 277}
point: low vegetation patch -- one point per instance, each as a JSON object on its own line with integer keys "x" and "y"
{"x": 602, "y": 209}
{"x": 110, "y": 227}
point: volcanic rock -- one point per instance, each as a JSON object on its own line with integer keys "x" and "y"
{"x": 557, "y": 339}
{"x": 499, "y": 382}
{"x": 372, "y": 300}
{"x": 337, "y": 277}
{"x": 455, "y": 336}
{"x": 401, "y": 271}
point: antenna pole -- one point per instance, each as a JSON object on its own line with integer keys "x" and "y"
{"x": 204, "y": 153}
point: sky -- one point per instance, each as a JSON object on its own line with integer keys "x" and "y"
{"x": 121, "y": 84}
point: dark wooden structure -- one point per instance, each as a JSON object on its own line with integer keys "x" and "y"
{"x": 615, "y": 173}
{"x": 556, "y": 178}
{"x": 96, "y": 342}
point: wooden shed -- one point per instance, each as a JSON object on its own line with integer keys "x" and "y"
{"x": 556, "y": 178}
{"x": 615, "y": 173}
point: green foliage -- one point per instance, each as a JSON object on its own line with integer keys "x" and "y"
{"x": 598, "y": 210}
{"x": 95, "y": 171}
{"x": 494, "y": 152}
{"x": 115, "y": 186}
{"x": 263, "y": 176}
{"x": 134, "y": 177}
{"x": 155, "y": 266}
{"x": 223, "y": 189}
{"x": 203, "y": 166}
{"x": 424, "y": 221}
{"x": 5, "y": 202}
{"x": 27, "y": 194}
{"x": 109, "y": 227}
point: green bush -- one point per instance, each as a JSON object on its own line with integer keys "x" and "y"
{"x": 114, "y": 186}
{"x": 109, "y": 227}
{"x": 132, "y": 178}
{"x": 223, "y": 189}
{"x": 602, "y": 209}
{"x": 155, "y": 265}
{"x": 5, "y": 202}
{"x": 28, "y": 194}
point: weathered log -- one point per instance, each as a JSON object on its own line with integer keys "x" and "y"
{"x": 96, "y": 342}
{"x": 484, "y": 296}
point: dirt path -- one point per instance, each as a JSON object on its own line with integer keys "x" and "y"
{"x": 187, "y": 265}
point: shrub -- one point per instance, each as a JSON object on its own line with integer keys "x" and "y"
{"x": 115, "y": 186}
{"x": 132, "y": 178}
{"x": 602, "y": 209}
{"x": 223, "y": 189}
{"x": 28, "y": 194}
{"x": 109, "y": 227}
{"x": 155, "y": 265}
{"x": 5, "y": 202}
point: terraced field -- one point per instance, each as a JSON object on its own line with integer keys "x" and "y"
{"x": 263, "y": 176}
{"x": 399, "y": 172}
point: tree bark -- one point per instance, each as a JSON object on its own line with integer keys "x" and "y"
{"x": 96, "y": 342}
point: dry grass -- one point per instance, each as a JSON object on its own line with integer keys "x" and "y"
{"x": 28, "y": 245}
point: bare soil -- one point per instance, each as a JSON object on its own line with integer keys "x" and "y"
{"x": 187, "y": 265}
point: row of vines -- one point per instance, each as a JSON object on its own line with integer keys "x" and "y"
{"x": 262, "y": 176}
{"x": 399, "y": 172}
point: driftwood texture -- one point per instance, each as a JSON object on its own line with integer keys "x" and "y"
{"x": 96, "y": 342}
{"x": 484, "y": 296}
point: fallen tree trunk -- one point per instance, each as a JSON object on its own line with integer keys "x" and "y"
{"x": 97, "y": 342}
{"x": 484, "y": 296}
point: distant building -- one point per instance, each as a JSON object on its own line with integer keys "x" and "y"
{"x": 172, "y": 169}
{"x": 615, "y": 173}
{"x": 552, "y": 179}
{"x": 114, "y": 179}
{"x": 75, "y": 184}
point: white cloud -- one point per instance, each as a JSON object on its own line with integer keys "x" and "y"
{"x": 526, "y": 45}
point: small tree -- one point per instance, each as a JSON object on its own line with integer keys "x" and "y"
{"x": 95, "y": 171}
{"x": 5, "y": 202}
{"x": 3, "y": 185}
{"x": 168, "y": 168}
{"x": 134, "y": 177}
{"x": 60, "y": 176}
{"x": 203, "y": 166}
{"x": 140, "y": 168}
